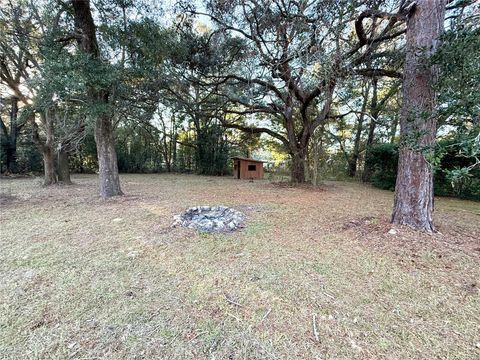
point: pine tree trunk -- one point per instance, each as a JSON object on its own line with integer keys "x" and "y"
{"x": 63, "y": 170}
{"x": 413, "y": 203}
{"x": 109, "y": 181}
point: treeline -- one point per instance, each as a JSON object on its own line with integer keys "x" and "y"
{"x": 138, "y": 151}
{"x": 110, "y": 86}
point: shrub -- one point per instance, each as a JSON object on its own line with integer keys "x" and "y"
{"x": 383, "y": 160}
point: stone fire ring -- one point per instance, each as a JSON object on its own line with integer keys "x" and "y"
{"x": 210, "y": 219}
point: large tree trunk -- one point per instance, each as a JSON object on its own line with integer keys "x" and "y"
{"x": 298, "y": 166}
{"x": 63, "y": 170}
{"x": 414, "y": 188}
{"x": 48, "y": 155}
{"x": 46, "y": 146}
{"x": 107, "y": 157}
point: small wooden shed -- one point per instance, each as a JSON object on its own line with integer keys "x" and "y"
{"x": 244, "y": 168}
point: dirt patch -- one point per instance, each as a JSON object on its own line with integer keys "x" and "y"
{"x": 6, "y": 199}
{"x": 382, "y": 235}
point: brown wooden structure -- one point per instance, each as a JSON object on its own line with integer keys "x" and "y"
{"x": 244, "y": 168}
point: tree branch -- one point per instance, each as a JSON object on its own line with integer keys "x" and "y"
{"x": 256, "y": 130}
{"x": 378, "y": 72}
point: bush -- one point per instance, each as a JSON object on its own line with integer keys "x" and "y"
{"x": 383, "y": 160}
{"x": 27, "y": 158}
{"x": 452, "y": 179}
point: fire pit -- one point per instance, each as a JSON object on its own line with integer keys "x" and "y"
{"x": 210, "y": 218}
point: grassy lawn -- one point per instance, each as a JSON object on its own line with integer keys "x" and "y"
{"x": 315, "y": 274}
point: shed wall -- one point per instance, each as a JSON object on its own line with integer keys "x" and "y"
{"x": 245, "y": 173}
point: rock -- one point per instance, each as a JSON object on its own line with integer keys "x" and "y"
{"x": 219, "y": 224}
{"x": 209, "y": 218}
{"x": 392, "y": 232}
{"x": 206, "y": 225}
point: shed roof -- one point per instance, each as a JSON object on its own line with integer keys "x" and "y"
{"x": 246, "y": 159}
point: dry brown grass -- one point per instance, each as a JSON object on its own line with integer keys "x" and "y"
{"x": 84, "y": 278}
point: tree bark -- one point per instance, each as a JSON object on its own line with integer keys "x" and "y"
{"x": 48, "y": 155}
{"x": 46, "y": 146}
{"x": 298, "y": 166}
{"x": 413, "y": 203}
{"x": 107, "y": 157}
{"x": 63, "y": 170}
